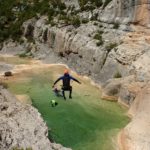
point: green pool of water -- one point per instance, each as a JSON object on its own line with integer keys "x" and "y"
{"x": 83, "y": 123}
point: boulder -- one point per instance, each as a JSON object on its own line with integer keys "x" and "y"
{"x": 8, "y": 74}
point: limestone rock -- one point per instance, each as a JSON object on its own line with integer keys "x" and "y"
{"x": 128, "y": 11}
{"x": 72, "y": 3}
{"x": 21, "y": 126}
{"x": 111, "y": 90}
{"x": 123, "y": 90}
{"x": 136, "y": 134}
{"x": 5, "y": 68}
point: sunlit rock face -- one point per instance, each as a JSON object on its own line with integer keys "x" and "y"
{"x": 128, "y": 11}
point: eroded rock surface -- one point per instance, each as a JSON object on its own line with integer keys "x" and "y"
{"x": 136, "y": 134}
{"x": 21, "y": 126}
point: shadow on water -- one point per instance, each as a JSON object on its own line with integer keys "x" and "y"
{"x": 82, "y": 123}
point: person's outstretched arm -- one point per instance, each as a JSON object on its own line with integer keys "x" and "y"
{"x": 75, "y": 79}
{"x": 57, "y": 80}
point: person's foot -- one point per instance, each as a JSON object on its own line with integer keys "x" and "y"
{"x": 70, "y": 97}
{"x": 64, "y": 98}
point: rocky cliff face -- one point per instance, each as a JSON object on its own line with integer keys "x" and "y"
{"x": 136, "y": 134}
{"x": 21, "y": 126}
{"x": 129, "y": 11}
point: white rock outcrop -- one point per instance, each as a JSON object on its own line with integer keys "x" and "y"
{"x": 21, "y": 126}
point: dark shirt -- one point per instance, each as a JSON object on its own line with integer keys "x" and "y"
{"x": 66, "y": 80}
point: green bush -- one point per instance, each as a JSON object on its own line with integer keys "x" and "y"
{"x": 98, "y": 36}
{"x": 94, "y": 17}
{"x": 62, "y": 6}
{"x": 12, "y": 19}
{"x": 85, "y": 20}
{"x": 100, "y": 25}
{"x": 87, "y": 8}
{"x": 116, "y": 25}
{"x": 95, "y": 23}
{"x": 117, "y": 75}
{"x": 23, "y": 54}
{"x": 60, "y": 54}
{"x": 76, "y": 21}
{"x": 52, "y": 23}
{"x": 97, "y": 3}
{"x": 99, "y": 43}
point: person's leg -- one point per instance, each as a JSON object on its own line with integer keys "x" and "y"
{"x": 70, "y": 92}
{"x": 63, "y": 93}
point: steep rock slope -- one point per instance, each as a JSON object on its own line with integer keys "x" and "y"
{"x": 129, "y": 11}
{"x": 136, "y": 134}
{"x": 21, "y": 126}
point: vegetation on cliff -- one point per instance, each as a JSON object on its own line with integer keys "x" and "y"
{"x": 14, "y": 12}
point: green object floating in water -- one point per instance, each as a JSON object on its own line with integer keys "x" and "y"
{"x": 53, "y": 103}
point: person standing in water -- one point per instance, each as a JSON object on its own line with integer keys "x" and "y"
{"x": 66, "y": 83}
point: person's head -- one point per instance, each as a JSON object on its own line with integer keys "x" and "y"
{"x": 66, "y": 72}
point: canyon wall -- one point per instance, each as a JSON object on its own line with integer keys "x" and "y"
{"x": 129, "y": 11}
{"x": 21, "y": 126}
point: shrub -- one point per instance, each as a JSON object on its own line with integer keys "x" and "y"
{"x": 116, "y": 25}
{"x": 23, "y": 54}
{"x": 100, "y": 25}
{"x": 117, "y": 75}
{"x": 52, "y": 23}
{"x": 87, "y": 8}
{"x": 94, "y": 17}
{"x": 85, "y": 20}
{"x": 98, "y": 35}
{"x": 98, "y": 3}
{"x": 61, "y": 54}
{"x": 95, "y": 23}
{"x": 62, "y": 6}
{"x": 99, "y": 43}
{"x": 76, "y": 22}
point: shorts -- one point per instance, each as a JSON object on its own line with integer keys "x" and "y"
{"x": 69, "y": 88}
